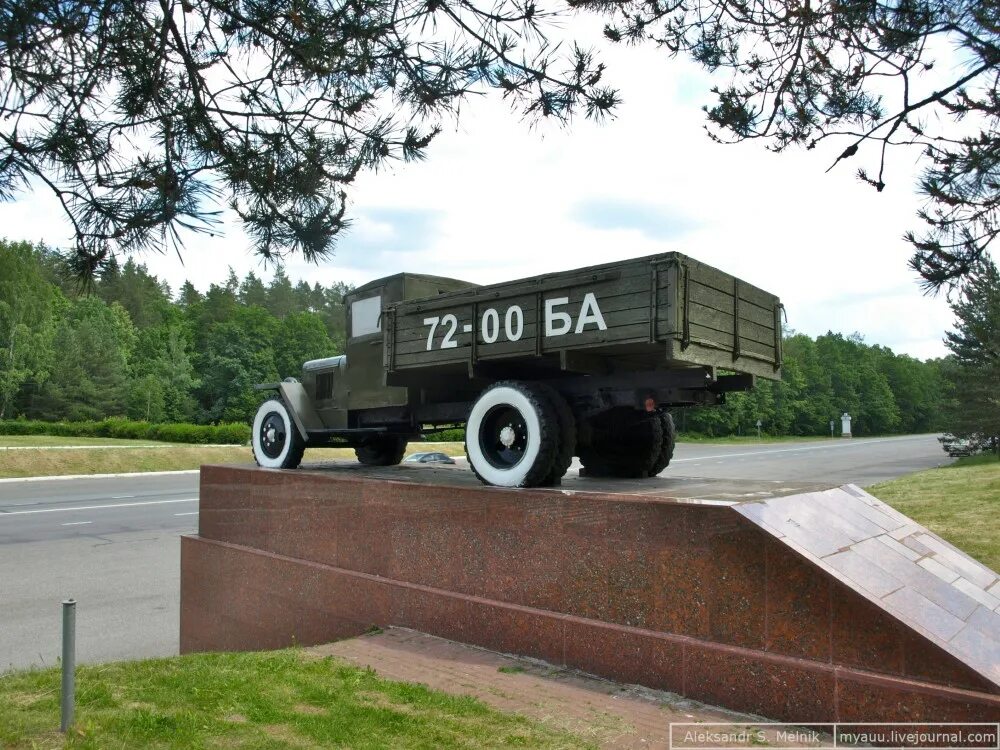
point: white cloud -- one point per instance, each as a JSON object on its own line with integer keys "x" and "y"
{"x": 498, "y": 200}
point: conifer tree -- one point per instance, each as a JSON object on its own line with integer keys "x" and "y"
{"x": 144, "y": 118}
{"x": 975, "y": 346}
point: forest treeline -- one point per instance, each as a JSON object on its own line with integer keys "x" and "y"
{"x": 129, "y": 346}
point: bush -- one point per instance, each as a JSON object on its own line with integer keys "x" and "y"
{"x": 454, "y": 435}
{"x": 232, "y": 433}
{"x": 126, "y": 430}
{"x": 117, "y": 427}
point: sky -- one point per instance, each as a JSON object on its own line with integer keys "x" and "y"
{"x": 498, "y": 199}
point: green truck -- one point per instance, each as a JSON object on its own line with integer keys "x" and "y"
{"x": 581, "y": 363}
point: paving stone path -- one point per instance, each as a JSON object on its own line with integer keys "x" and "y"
{"x": 607, "y": 713}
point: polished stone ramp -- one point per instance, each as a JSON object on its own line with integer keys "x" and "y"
{"x": 925, "y": 583}
{"x": 790, "y": 601}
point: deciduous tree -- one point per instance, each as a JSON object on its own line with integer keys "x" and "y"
{"x": 302, "y": 337}
{"x": 26, "y": 320}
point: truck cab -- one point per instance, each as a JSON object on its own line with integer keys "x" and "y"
{"x": 366, "y": 376}
{"x": 344, "y": 400}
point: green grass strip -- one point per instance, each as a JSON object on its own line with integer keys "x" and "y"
{"x": 960, "y": 503}
{"x": 277, "y": 699}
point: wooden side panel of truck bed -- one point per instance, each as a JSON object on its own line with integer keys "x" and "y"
{"x": 660, "y": 311}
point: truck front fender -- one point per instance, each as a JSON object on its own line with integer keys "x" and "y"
{"x": 300, "y": 407}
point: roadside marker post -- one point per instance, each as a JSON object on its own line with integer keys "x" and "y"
{"x": 68, "y": 663}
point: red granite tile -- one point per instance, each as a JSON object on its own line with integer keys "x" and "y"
{"x": 780, "y": 688}
{"x": 862, "y": 634}
{"x": 793, "y": 517}
{"x": 630, "y": 584}
{"x": 927, "y": 661}
{"x": 917, "y": 610}
{"x": 736, "y": 601}
{"x": 224, "y": 496}
{"x": 272, "y": 490}
{"x": 430, "y": 612}
{"x": 580, "y": 517}
{"x": 363, "y": 530}
{"x": 920, "y": 582}
{"x": 961, "y": 563}
{"x": 224, "y": 486}
{"x": 515, "y": 630}
{"x": 528, "y": 569}
{"x": 798, "y": 604}
{"x": 585, "y": 563}
{"x": 703, "y": 523}
{"x": 625, "y": 655}
{"x": 531, "y": 540}
{"x": 293, "y": 532}
{"x": 648, "y": 523}
{"x": 255, "y": 600}
{"x": 432, "y": 546}
{"x": 682, "y": 582}
{"x": 642, "y": 540}
{"x": 861, "y": 698}
{"x": 858, "y": 570}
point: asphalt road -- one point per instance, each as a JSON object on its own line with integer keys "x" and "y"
{"x": 113, "y": 543}
{"x": 858, "y": 461}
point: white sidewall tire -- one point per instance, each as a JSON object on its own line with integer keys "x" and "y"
{"x": 277, "y": 407}
{"x": 515, "y": 476}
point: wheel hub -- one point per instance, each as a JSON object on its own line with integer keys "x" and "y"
{"x": 503, "y": 436}
{"x": 272, "y": 435}
{"x": 507, "y": 436}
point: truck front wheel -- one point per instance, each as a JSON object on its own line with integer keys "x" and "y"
{"x": 382, "y": 451}
{"x": 275, "y": 439}
{"x": 512, "y": 436}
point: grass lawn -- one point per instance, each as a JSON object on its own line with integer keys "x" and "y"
{"x": 49, "y": 463}
{"x": 18, "y": 441}
{"x": 44, "y": 463}
{"x": 277, "y": 699}
{"x": 960, "y": 503}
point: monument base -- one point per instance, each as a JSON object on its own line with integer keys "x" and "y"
{"x": 770, "y": 605}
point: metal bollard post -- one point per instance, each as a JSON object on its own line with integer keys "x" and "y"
{"x": 68, "y": 663}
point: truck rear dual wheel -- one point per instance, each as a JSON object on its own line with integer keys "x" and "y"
{"x": 382, "y": 451}
{"x": 628, "y": 443}
{"x": 514, "y": 435}
{"x": 275, "y": 440}
{"x": 666, "y": 445}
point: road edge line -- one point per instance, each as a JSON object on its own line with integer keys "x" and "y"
{"x": 58, "y": 477}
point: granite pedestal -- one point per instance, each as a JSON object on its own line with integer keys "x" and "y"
{"x": 788, "y": 601}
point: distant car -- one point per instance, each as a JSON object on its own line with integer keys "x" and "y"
{"x": 967, "y": 446}
{"x": 428, "y": 458}
{"x": 960, "y": 447}
{"x": 947, "y": 441}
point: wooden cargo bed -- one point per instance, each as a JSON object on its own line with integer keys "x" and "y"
{"x": 658, "y": 312}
